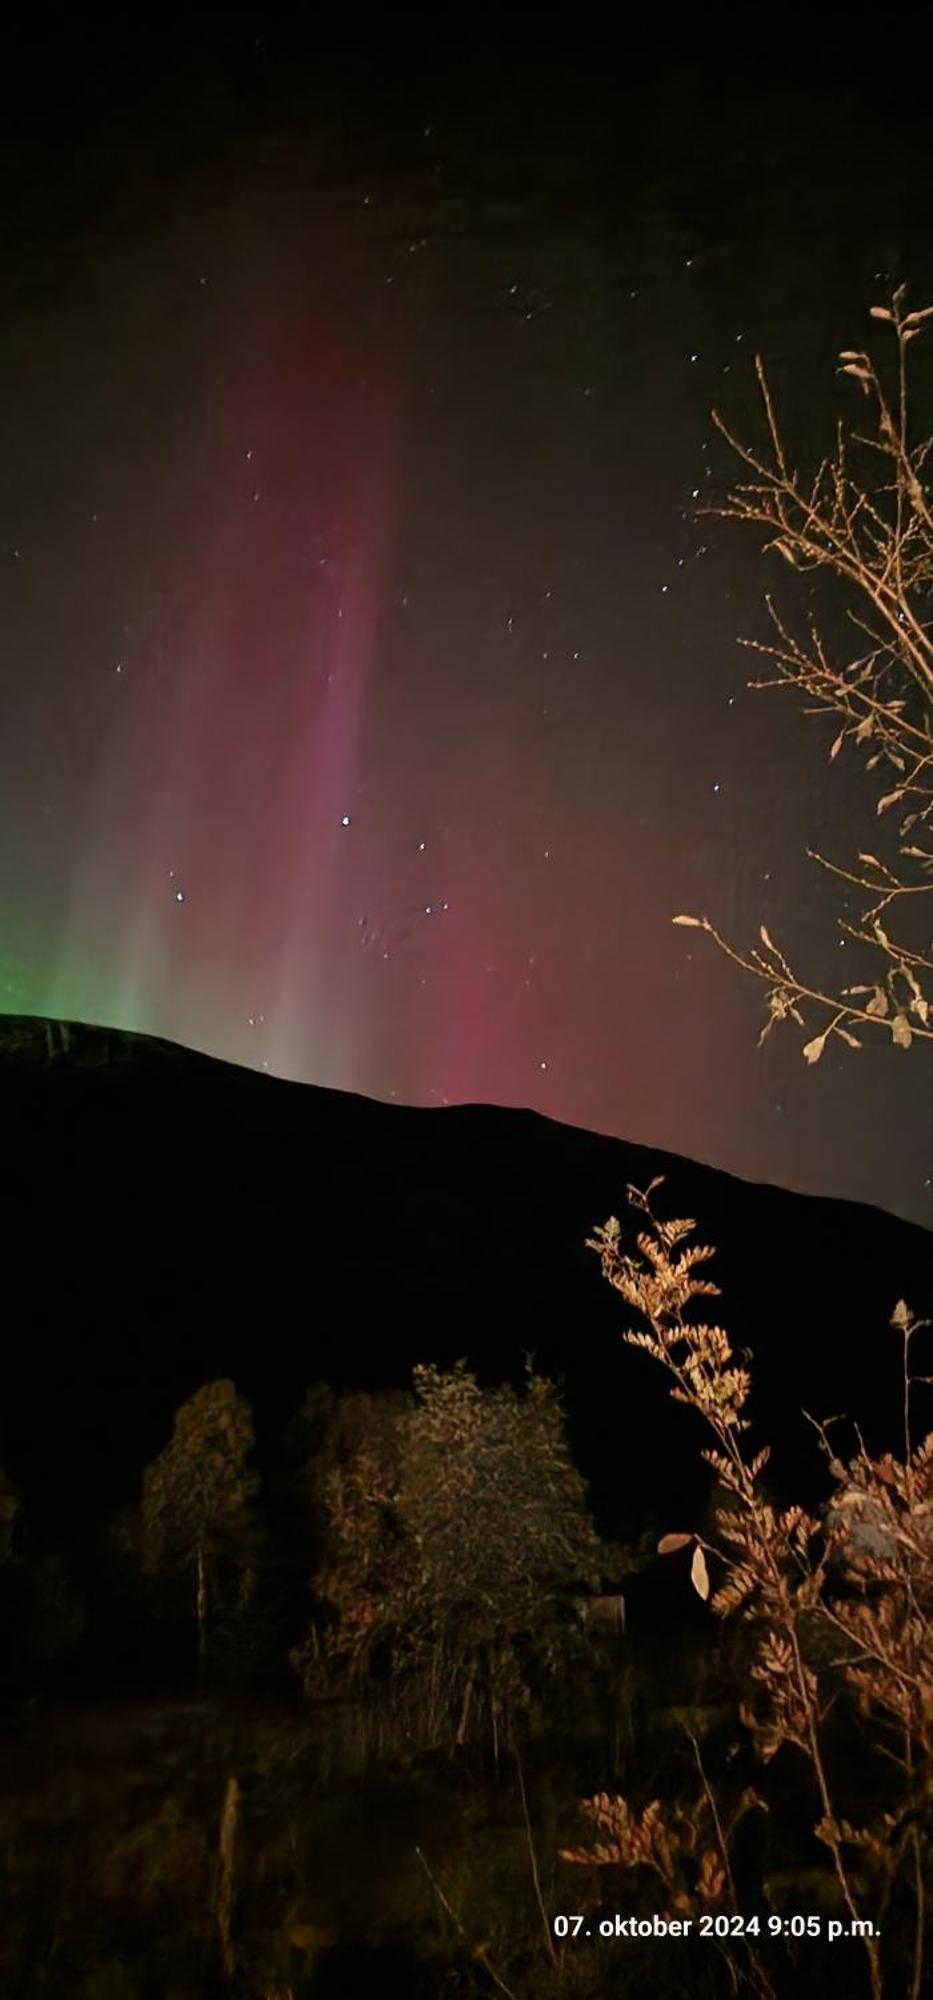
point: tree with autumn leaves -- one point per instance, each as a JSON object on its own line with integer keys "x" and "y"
{"x": 456, "y": 1526}
{"x": 197, "y": 1523}
{"x": 837, "y": 1606}
{"x": 863, "y": 522}
{"x": 837, "y": 1615}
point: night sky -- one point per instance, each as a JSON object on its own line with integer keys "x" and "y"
{"x": 370, "y": 697}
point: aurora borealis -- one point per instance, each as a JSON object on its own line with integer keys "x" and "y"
{"x": 370, "y": 698}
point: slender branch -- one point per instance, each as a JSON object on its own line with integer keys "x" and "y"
{"x": 536, "y": 1879}
{"x": 455, "y": 1920}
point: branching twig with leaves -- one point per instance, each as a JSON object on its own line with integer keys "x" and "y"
{"x": 866, "y": 520}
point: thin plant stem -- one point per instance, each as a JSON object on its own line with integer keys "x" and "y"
{"x": 552, "y": 1948}
{"x": 458, "y": 1925}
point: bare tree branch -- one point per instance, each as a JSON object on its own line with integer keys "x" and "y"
{"x": 867, "y": 520}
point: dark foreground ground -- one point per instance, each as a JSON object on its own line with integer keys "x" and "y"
{"x": 354, "y": 1870}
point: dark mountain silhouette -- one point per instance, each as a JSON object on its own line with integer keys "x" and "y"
{"x": 170, "y": 1218}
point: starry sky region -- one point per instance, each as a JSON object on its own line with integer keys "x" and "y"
{"x": 370, "y": 697}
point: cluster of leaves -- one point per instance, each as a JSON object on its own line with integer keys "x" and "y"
{"x": 865, "y": 520}
{"x": 834, "y": 1607}
{"x": 684, "y": 1844}
{"x": 364, "y": 1570}
{"x": 457, "y": 1524}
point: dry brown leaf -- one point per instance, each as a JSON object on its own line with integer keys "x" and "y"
{"x": 699, "y": 1574}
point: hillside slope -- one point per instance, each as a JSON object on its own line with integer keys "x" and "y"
{"x": 169, "y": 1218}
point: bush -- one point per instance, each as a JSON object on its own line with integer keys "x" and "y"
{"x": 838, "y": 1614}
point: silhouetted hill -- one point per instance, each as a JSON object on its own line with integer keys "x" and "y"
{"x": 170, "y": 1218}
